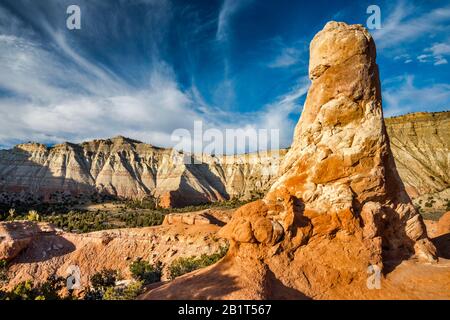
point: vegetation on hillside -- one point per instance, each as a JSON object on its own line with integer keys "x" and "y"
{"x": 126, "y": 214}
{"x": 104, "y": 284}
{"x": 49, "y": 290}
{"x": 100, "y": 283}
{"x": 145, "y": 272}
{"x": 3, "y": 271}
{"x": 107, "y": 284}
{"x": 185, "y": 265}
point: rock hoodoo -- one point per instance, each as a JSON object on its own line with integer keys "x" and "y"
{"x": 339, "y": 205}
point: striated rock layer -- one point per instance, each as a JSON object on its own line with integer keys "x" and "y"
{"x": 339, "y": 209}
{"x": 420, "y": 143}
{"x": 125, "y": 168}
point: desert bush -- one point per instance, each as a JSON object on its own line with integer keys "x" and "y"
{"x": 3, "y": 271}
{"x": 12, "y": 214}
{"x": 33, "y": 215}
{"x": 104, "y": 279}
{"x": 145, "y": 272}
{"x": 129, "y": 292}
{"x": 147, "y": 203}
{"x": 185, "y": 265}
{"x": 88, "y": 221}
{"x": 23, "y": 291}
{"x": 142, "y": 219}
{"x": 103, "y": 287}
{"x": 100, "y": 282}
{"x": 49, "y": 290}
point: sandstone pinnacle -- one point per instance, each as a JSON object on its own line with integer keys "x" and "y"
{"x": 340, "y": 175}
{"x": 338, "y": 207}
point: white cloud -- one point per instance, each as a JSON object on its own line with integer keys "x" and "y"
{"x": 424, "y": 57}
{"x": 229, "y": 8}
{"x": 440, "y": 60}
{"x": 406, "y": 58}
{"x": 287, "y": 57}
{"x": 51, "y": 101}
{"x": 405, "y": 24}
{"x": 55, "y": 94}
{"x": 401, "y": 95}
{"x": 437, "y": 53}
{"x": 439, "y": 49}
{"x": 402, "y": 56}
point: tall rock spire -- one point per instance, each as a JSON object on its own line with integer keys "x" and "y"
{"x": 338, "y": 208}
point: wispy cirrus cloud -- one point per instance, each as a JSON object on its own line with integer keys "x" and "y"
{"x": 286, "y": 58}
{"x": 58, "y": 93}
{"x": 143, "y": 68}
{"x": 228, "y": 9}
{"x": 51, "y": 114}
{"x": 407, "y": 23}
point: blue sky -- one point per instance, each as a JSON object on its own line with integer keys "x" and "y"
{"x": 143, "y": 68}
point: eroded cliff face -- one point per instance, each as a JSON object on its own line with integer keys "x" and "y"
{"x": 126, "y": 168}
{"x": 420, "y": 143}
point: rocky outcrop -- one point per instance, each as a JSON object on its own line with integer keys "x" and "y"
{"x": 339, "y": 208}
{"x": 205, "y": 217}
{"x": 36, "y": 251}
{"x": 443, "y": 226}
{"x": 17, "y": 236}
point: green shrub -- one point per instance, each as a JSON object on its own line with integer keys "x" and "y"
{"x": 103, "y": 287}
{"x": 104, "y": 279}
{"x": 88, "y": 221}
{"x": 147, "y": 203}
{"x": 146, "y": 273}
{"x": 185, "y": 265}
{"x": 100, "y": 283}
{"x": 48, "y": 290}
{"x": 3, "y": 271}
{"x": 129, "y": 292}
{"x": 23, "y": 291}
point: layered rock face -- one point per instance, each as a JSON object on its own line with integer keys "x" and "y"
{"x": 130, "y": 169}
{"x": 339, "y": 206}
{"x": 421, "y": 146}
